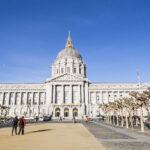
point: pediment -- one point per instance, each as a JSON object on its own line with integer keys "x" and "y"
{"x": 67, "y": 78}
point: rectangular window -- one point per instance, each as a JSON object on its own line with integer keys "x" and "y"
{"x": 74, "y": 70}
{"x": 68, "y": 69}
{"x": 62, "y": 70}
{"x": 57, "y": 71}
{"x": 80, "y": 70}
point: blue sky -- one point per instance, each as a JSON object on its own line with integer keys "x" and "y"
{"x": 113, "y": 37}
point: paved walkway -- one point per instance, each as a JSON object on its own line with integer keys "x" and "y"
{"x": 115, "y": 138}
{"x": 50, "y": 137}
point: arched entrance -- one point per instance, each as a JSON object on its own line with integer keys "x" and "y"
{"x": 57, "y": 112}
{"x": 75, "y": 112}
{"x": 66, "y": 112}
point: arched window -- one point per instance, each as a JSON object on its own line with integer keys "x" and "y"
{"x": 75, "y": 112}
{"x": 66, "y": 112}
{"x": 57, "y": 112}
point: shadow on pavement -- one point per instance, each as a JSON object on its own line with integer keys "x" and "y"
{"x": 36, "y": 131}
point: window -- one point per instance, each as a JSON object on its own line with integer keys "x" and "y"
{"x": 57, "y": 71}
{"x": 62, "y": 70}
{"x": 80, "y": 70}
{"x": 74, "y": 70}
{"x": 68, "y": 69}
{"x": 57, "y": 112}
{"x": 66, "y": 112}
{"x": 75, "y": 112}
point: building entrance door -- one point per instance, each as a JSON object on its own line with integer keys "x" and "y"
{"x": 66, "y": 112}
{"x": 75, "y": 112}
{"x": 57, "y": 112}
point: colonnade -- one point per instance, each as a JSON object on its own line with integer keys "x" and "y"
{"x": 81, "y": 94}
{"x": 11, "y": 98}
{"x": 100, "y": 97}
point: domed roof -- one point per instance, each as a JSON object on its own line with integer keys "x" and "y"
{"x": 69, "y": 50}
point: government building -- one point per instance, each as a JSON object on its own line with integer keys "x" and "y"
{"x": 68, "y": 92}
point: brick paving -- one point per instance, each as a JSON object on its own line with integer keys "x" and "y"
{"x": 115, "y": 138}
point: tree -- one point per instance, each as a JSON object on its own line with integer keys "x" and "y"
{"x": 142, "y": 101}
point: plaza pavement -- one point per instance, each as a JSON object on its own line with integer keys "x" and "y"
{"x": 55, "y": 136}
{"x": 116, "y": 138}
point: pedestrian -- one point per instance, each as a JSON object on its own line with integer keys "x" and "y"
{"x": 60, "y": 119}
{"x": 14, "y": 125}
{"x": 21, "y": 125}
{"x": 86, "y": 119}
{"x": 74, "y": 119}
{"x": 37, "y": 118}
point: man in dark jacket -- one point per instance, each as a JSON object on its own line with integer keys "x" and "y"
{"x": 21, "y": 125}
{"x": 14, "y": 125}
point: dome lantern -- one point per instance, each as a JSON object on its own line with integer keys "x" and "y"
{"x": 69, "y": 50}
{"x": 69, "y": 41}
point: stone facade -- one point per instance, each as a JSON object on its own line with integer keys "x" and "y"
{"x": 68, "y": 92}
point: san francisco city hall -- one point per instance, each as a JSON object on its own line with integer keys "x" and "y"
{"x": 68, "y": 92}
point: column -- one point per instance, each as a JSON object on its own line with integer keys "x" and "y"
{"x": 79, "y": 94}
{"x": 3, "y": 99}
{"x": 2, "y": 94}
{"x": 54, "y": 91}
{"x": 95, "y": 97}
{"x": 14, "y": 103}
{"x": 59, "y": 69}
{"x": 82, "y": 94}
{"x": 21, "y": 98}
{"x": 113, "y": 96}
{"x": 26, "y": 99}
{"x": 32, "y": 99}
{"x": 12, "y": 95}
{"x": 63, "y": 94}
{"x": 39, "y": 100}
{"x": 52, "y": 87}
{"x": 109, "y": 96}
{"x": 71, "y": 94}
{"x": 44, "y": 102}
{"x": 90, "y": 98}
{"x": 102, "y": 97}
{"x": 9, "y": 95}
{"x": 49, "y": 101}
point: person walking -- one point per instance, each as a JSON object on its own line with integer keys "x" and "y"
{"x": 14, "y": 125}
{"x": 74, "y": 119}
{"x": 86, "y": 119}
{"x": 60, "y": 119}
{"x": 21, "y": 125}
